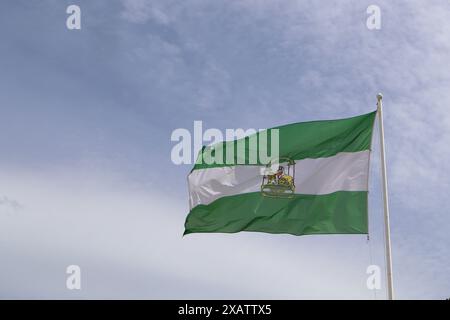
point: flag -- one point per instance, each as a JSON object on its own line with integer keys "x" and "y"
{"x": 317, "y": 184}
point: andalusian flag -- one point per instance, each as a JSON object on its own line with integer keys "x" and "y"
{"x": 318, "y": 185}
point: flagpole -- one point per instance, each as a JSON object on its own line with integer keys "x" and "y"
{"x": 387, "y": 230}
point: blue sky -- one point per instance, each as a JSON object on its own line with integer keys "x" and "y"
{"x": 86, "y": 117}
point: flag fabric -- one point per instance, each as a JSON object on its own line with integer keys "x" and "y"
{"x": 318, "y": 186}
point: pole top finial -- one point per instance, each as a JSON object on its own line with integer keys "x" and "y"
{"x": 379, "y": 96}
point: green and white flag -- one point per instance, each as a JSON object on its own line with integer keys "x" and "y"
{"x": 319, "y": 185}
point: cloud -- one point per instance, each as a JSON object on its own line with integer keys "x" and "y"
{"x": 141, "y": 11}
{"x": 9, "y": 206}
{"x": 121, "y": 237}
{"x": 128, "y": 242}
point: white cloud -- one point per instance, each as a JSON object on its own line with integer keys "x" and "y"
{"x": 128, "y": 242}
{"x": 142, "y": 11}
{"x": 109, "y": 231}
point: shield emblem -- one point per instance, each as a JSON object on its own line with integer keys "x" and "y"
{"x": 279, "y": 179}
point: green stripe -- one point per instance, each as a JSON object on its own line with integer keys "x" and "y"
{"x": 315, "y": 139}
{"x": 342, "y": 212}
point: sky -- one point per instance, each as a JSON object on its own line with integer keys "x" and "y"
{"x": 86, "y": 117}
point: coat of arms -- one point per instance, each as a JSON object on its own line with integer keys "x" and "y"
{"x": 278, "y": 179}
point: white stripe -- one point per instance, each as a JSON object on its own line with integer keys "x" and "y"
{"x": 346, "y": 171}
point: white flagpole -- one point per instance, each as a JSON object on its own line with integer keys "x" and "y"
{"x": 387, "y": 230}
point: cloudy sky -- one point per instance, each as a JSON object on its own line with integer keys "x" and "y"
{"x": 86, "y": 117}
